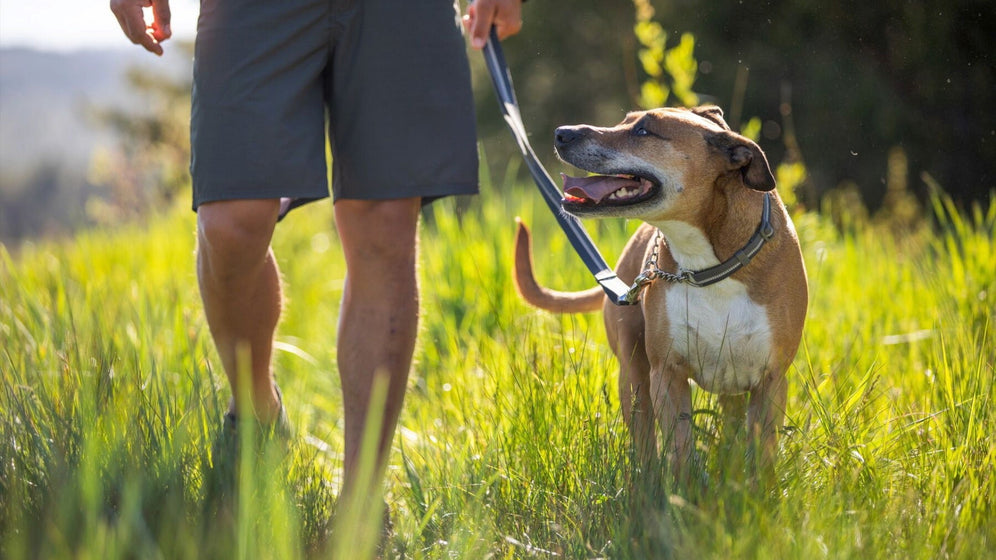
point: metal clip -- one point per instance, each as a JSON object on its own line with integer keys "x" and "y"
{"x": 641, "y": 282}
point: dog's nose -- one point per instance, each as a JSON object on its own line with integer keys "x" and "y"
{"x": 565, "y": 135}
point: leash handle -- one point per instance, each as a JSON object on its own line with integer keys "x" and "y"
{"x": 617, "y": 291}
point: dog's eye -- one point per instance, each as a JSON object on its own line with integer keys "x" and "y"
{"x": 640, "y": 131}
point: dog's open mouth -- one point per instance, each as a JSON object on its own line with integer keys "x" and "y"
{"x": 607, "y": 190}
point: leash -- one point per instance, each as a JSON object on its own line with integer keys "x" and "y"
{"x": 616, "y": 290}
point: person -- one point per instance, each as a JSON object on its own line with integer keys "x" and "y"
{"x": 390, "y": 79}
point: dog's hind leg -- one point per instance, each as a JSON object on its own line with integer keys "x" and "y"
{"x": 626, "y": 333}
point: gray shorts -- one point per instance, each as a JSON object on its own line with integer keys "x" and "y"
{"x": 389, "y": 78}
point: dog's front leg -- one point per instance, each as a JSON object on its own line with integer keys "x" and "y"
{"x": 672, "y": 397}
{"x": 636, "y": 402}
{"x": 765, "y": 414}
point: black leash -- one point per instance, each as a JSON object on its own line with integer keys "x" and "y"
{"x": 617, "y": 291}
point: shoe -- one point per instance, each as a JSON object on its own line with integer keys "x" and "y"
{"x": 221, "y": 472}
{"x": 388, "y": 544}
{"x": 280, "y": 429}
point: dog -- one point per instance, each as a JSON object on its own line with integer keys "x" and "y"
{"x": 724, "y": 285}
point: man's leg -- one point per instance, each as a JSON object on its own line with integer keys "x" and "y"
{"x": 379, "y": 315}
{"x": 240, "y": 288}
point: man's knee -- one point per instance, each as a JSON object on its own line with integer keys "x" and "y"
{"x": 235, "y": 232}
{"x": 378, "y": 230}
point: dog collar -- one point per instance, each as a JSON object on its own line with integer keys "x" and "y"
{"x": 711, "y": 275}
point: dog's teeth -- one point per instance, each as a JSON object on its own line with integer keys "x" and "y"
{"x": 624, "y": 192}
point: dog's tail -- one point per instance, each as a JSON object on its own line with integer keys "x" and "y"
{"x": 545, "y": 298}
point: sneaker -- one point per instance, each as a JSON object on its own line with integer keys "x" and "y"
{"x": 221, "y": 473}
{"x": 227, "y": 442}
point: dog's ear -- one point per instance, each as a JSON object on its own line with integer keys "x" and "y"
{"x": 713, "y": 113}
{"x": 743, "y": 154}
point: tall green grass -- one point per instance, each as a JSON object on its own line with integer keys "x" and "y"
{"x": 511, "y": 444}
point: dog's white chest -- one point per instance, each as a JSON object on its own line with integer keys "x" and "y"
{"x": 721, "y": 333}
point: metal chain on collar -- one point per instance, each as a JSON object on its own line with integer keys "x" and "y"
{"x": 652, "y": 272}
{"x": 709, "y": 276}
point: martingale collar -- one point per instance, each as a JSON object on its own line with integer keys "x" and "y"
{"x": 711, "y": 275}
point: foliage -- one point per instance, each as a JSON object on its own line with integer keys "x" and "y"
{"x": 511, "y": 443}
{"x": 669, "y": 71}
{"x": 865, "y": 78}
{"x": 149, "y": 166}
{"x": 672, "y": 72}
{"x": 862, "y": 80}
{"x": 788, "y": 176}
{"x": 41, "y": 204}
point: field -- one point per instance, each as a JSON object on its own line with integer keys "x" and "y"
{"x": 511, "y": 444}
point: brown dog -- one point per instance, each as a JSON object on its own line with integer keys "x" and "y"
{"x": 706, "y": 195}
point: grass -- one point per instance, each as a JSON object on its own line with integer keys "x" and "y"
{"x": 511, "y": 444}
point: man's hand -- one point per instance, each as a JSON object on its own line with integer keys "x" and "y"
{"x": 505, "y": 15}
{"x": 132, "y": 21}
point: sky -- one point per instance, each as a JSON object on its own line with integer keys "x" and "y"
{"x": 65, "y": 25}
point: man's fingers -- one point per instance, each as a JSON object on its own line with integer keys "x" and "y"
{"x": 481, "y": 25}
{"x": 122, "y": 23}
{"x": 505, "y": 15}
{"x": 507, "y": 27}
{"x": 150, "y": 44}
{"x": 126, "y": 14}
{"x": 472, "y": 23}
{"x": 160, "y": 20}
{"x": 132, "y": 21}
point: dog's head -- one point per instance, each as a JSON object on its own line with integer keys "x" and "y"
{"x": 650, "y": 160}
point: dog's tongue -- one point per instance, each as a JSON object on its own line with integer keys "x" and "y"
{"x": 595, "y": 188}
